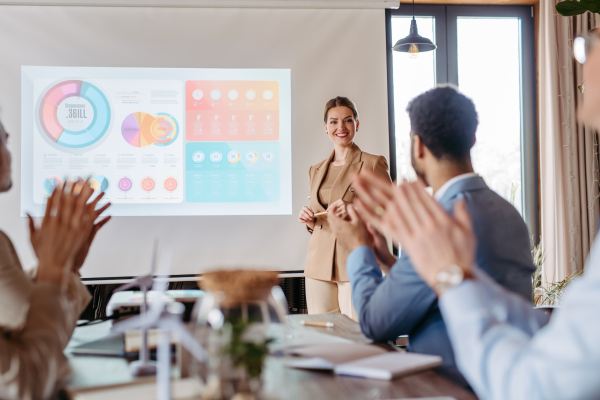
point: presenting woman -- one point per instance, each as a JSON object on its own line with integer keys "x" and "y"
{"x": 327, "y": 285}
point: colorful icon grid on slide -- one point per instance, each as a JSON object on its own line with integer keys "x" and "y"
{"x": 125, "y": 184}
{"x": 232, "y": 172}
{"x": 218, "y": 111}
{"x": 141, "y": 129}
{"x": 73, "y": 114}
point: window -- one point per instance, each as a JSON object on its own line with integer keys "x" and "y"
{"x": 488, "y": 52}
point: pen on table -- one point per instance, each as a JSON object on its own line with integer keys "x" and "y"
{"x": 318, "y": 324}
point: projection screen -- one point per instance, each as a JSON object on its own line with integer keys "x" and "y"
{"x": 313, "y": 55}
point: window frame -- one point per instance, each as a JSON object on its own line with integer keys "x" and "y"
{"x": 447, "y": 72}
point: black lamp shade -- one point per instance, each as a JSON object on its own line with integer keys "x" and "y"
{"x": 413, "y": 37}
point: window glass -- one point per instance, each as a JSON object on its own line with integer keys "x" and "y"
{"x": 489, "y": 73}
{"x": 412, "y": 76}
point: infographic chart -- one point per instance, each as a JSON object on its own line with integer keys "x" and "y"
{"x": 141, "y": 129}
{"x": 232, "y": 172}
{"x": 51, "y": 183}
{"x": 159, "y": 141}
{"x": 100, "y": 183}
{"x": 232, "y": 110}
{"x": 74, "y": 114}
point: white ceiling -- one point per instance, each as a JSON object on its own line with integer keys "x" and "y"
{"x": 348, "y": 4}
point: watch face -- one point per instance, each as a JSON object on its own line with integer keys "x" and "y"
{"x": 448, "y": 277}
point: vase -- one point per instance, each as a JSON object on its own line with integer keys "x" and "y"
{"x": 241, "y": 313}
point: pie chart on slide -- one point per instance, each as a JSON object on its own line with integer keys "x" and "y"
{"x": 141, "y": 129}
{"x": 100, "y": 183}
{"x": 50, "y": 183}
{"x": 73, "y": 114}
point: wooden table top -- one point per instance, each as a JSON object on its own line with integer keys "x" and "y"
{"x": 91, "y": 373}
{"x": 320, "y": 385}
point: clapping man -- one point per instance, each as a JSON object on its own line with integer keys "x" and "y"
{"x": 443, "y": 125}
{"x": 496, "y": 336}
{"x": 38, "y": 315}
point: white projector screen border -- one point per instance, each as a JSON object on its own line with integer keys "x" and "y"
{"x": 134, "y": 80}
{"x": 329, "y": 53}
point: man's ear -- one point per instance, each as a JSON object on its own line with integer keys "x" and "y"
{"x": 419, "y": 146}
{"x": 474, "y": 141}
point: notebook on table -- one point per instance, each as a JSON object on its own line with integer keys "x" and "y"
{"x": 363, "y": 360}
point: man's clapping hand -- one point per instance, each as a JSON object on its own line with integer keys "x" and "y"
{"x": 432, "y": 238}
{"x": 350, "y": 233}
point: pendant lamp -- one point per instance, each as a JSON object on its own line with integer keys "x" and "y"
{"x": 414, "y": 43}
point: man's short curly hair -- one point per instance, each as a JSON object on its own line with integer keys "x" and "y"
{"x": 445, "y": 121}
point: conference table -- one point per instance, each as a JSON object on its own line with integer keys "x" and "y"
{"x": 101, "y": 376}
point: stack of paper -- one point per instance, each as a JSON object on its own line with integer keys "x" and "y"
{"x": 363, "y": 360}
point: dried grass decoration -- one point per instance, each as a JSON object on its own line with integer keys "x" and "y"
{"x": 240, "y": 286}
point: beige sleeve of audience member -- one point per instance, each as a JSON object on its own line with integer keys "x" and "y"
{"x": 79, "y": 296}
{"x": 32, "y": 359}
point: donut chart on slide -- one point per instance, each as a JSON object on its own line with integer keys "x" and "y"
{"x": 141, "y": 129}
{"x": 88, "y": 128}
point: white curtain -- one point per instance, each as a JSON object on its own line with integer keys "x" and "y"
{"x": 568, "y": 150}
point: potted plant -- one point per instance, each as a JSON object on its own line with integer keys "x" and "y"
{"x": 233, "y": 324}
{"x": 550, "y": 294}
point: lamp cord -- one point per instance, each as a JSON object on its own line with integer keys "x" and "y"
{"x": 413, "y": 9}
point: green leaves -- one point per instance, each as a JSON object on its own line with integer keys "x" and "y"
{"x": 246, "y": 354}
{"x": 569, "y": 8}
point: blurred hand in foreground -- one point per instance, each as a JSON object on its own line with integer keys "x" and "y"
{"x": 66, "y": 225}
{"x": 380, "y": 248}
{"x": 85, "y": 246}
{"x": 352, "y": 232}
{"x": 432, "y": 238}
{"x": 338, "y": 208}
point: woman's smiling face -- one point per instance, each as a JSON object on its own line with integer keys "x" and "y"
{"x": 341, "y": 127}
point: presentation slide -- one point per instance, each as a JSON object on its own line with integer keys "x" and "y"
{"x": 159, "y": 141}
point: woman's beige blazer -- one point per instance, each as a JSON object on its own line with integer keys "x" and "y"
{"x": 322, "y": 247}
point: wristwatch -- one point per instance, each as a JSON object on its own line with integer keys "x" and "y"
{"x": 448, "y": 277}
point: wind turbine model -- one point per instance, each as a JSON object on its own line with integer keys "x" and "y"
{"x": 167, "y": 317}
{"x": 143, "y": 366}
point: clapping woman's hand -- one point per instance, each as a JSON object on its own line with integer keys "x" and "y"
{"x": 66, "y": 224}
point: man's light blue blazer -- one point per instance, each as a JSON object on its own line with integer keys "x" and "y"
{"x": 402, "y": 304}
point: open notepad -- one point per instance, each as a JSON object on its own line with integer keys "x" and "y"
{"x": 362, "y": 360}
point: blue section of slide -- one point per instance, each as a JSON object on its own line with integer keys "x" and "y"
{"x": 232, "y": 172}
{"x": 99, "y": 124}
{"x": 76, "y": 139}
{"x": 101, "y": 110}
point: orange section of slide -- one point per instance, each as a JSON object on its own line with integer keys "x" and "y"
{"x": 232, "y": 110}
{"x": 145, "y": 121}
